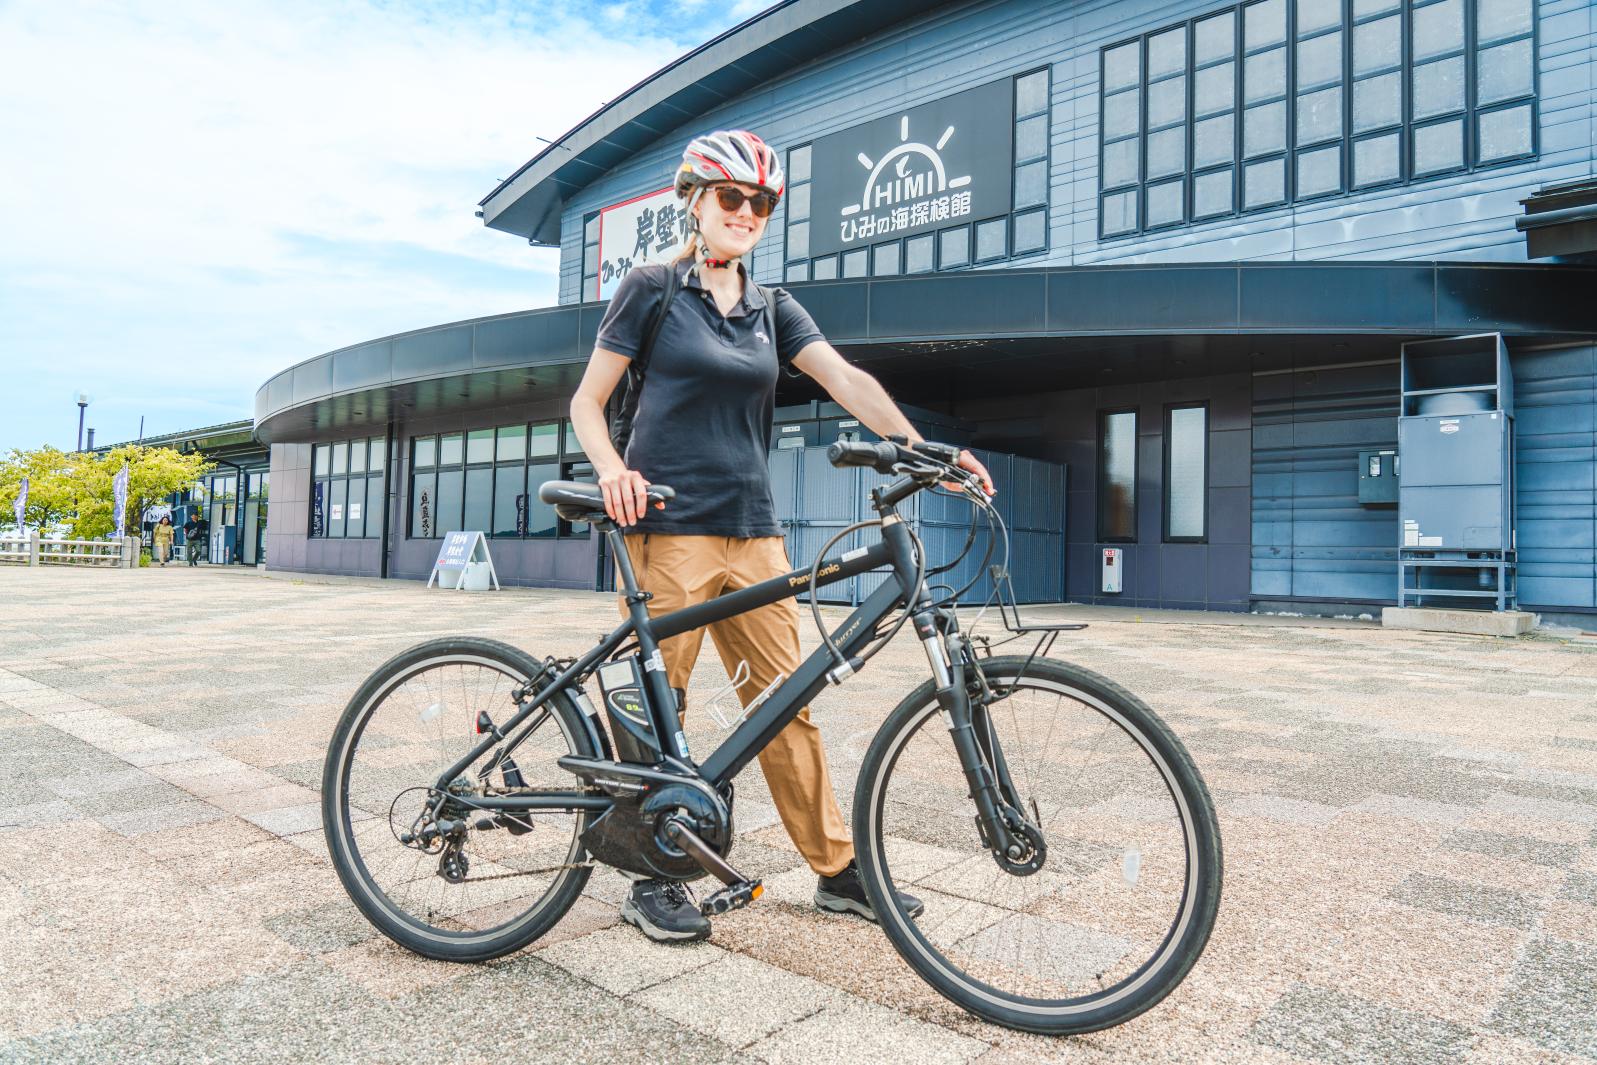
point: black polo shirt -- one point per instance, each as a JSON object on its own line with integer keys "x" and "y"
{"x": 709, "y": 391}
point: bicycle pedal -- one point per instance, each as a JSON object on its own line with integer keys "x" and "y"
{"x": 732, "y": 897}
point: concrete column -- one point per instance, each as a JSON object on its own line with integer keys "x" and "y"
{"x": 33, "y": 547}
{"x": 130, "y": 553}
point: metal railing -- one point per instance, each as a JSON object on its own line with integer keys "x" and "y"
{"x": 32, "y": 549}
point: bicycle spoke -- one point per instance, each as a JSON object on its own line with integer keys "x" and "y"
{"x": 412, "y": 731}
{"x": 1114, "y": 886}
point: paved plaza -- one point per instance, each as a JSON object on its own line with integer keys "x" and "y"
{"x": 1410, "y": 828}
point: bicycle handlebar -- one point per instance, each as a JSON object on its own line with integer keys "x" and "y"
{"x": 885, "y": 456}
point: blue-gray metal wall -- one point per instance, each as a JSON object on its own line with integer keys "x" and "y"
{"x": 1467, "y": 216}
{"x": 1311, "y": 538}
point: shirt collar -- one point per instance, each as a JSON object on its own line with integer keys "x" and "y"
{"x": 752, "y": 301}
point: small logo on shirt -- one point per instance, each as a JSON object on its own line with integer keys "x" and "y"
{"x": 763, "y": 338}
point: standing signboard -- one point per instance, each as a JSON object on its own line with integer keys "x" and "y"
{"x": 916, "y": 171}
{"x": 650, "y": 228}
{"x": 464, "y": 564}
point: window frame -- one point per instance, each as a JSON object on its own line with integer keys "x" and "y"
{"x": 348, "y": 477}
{"x": 1169, "y": 439}
{"x": 1104, "y": 414}
{"x": 561, "y": 461}
{"x": 1290, "y": 155}
{"x": 589, "y": 219}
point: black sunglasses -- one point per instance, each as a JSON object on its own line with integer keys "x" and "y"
{"x": 731, "y": 198}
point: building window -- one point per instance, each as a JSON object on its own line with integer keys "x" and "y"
{"x": 347, "y": 489}
{"x": 1117, "y": 477}
{"x": 1032, "y": 131}
{"x": 1186, "y": 473}
{"x": 1276, "y": 101}
{"x": 796, "y": 230}
{"x": 590, "y": 257}
{"x": 488, "y": 479}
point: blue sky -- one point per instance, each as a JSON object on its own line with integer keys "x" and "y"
{"x": 197, "y": 195}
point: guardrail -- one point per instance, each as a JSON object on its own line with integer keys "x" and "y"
{"x": 36, "y": 550}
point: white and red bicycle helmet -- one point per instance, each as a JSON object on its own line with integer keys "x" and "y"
{"x": 726, "y": 155}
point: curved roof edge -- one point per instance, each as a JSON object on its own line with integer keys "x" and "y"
{"x": 512, "y": 358}
{"x": 528, "y": 203}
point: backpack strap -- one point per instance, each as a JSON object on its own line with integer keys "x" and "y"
{"x": 624, "y": 401}
{"x": 640, "y": 364}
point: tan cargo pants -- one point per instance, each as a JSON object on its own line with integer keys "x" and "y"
{"x": 683, "y": 570}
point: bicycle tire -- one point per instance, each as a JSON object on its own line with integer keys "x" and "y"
{"x": 370, "y": 897}
{"x": 1193, "y": 922}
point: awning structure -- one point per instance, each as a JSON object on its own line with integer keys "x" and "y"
{"x": 1561, "y": 221}
{"x": 937, "y": 336}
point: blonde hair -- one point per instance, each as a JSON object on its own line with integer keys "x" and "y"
{"x": 690, "y": 249}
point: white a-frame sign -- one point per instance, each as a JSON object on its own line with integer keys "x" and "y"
{"x": 464, "y": 564}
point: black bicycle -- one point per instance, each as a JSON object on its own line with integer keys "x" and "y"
{"x": 1064, "y": 845}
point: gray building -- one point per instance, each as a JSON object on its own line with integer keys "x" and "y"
{"x": 1177, "y": 248}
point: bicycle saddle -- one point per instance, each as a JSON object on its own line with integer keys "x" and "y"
{"x": 581, "y": 501}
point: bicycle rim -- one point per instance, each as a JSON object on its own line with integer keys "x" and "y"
{"x": 1118, "y": 909}
{"x": 408, "y": 730}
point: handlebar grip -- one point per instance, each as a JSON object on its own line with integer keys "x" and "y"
{"x": 879, "y": 456}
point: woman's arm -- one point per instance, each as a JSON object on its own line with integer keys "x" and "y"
{"x": 863, "y": 396}
{"x": 625, "y": 491}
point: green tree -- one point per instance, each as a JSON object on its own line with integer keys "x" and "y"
{"x": 153, "y": 474}
{"x": 51, "y": 495}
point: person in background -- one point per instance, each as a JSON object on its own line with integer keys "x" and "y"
{"x": 163, "y": 539}
{"x": 196, "y": 531}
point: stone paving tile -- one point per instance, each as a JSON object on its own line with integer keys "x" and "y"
{"x": 1323, "y": 1024}
{"x": 1538, "y": 852}
{"x": 289, "y": 820}
{"x": 862, "y": 1031}
{"x": 1387, "y": 837}
{"x": 1484, "y": 904}
{"x": 1552, "y": 998}
{"x": 767, "y": 999}
{"x": 322, "y": 929}
{"x": 622, "y": 961}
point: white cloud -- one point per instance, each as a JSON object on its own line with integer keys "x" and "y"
{"x": 211, "y": 192}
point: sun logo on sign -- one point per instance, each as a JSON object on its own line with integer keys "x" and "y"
{"x": 894, "y": 179}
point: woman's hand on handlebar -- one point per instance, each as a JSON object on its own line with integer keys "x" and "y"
{"x": 626, "y": 496}
{"x": 969, "y": 462}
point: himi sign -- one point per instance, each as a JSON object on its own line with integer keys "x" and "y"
{"x": 651, "y": 228}
{"x": 936, "y": 165}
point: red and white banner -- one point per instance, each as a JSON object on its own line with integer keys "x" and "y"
{"x": 651, "y": 228}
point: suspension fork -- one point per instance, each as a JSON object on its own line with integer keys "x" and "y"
{"x": 978, "y": 753}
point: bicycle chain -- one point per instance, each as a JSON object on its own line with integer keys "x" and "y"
{"x": 529, "y": 872}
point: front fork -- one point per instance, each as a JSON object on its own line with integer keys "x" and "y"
{"x": 1000, "y": 816}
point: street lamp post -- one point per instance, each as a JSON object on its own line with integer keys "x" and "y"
{"x": 83, "y": 399}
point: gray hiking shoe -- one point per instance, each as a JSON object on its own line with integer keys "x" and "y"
{"x": 845, "y": 893}
{"x": 664, "y": 911}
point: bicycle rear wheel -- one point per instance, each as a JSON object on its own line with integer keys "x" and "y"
{"x": 508, "y": 878}
{"x": 1128, "y": 884}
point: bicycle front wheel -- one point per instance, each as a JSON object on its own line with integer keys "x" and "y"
{"x": 1120, "y": 902}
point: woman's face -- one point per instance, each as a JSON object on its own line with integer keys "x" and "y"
{"x": 728, "y": 234}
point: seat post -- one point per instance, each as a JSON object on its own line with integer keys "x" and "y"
{"x": 618, "y": 548}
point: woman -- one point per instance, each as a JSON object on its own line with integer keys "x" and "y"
{"x": 702, "y": 424}
{"x": 163, "y": 539}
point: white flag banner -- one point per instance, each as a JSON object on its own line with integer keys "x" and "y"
{"x": 119, "y": 491}
{"x": 22, "y": 502}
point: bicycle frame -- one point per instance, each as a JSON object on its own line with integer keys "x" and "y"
{"x": 936, "y": 629}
